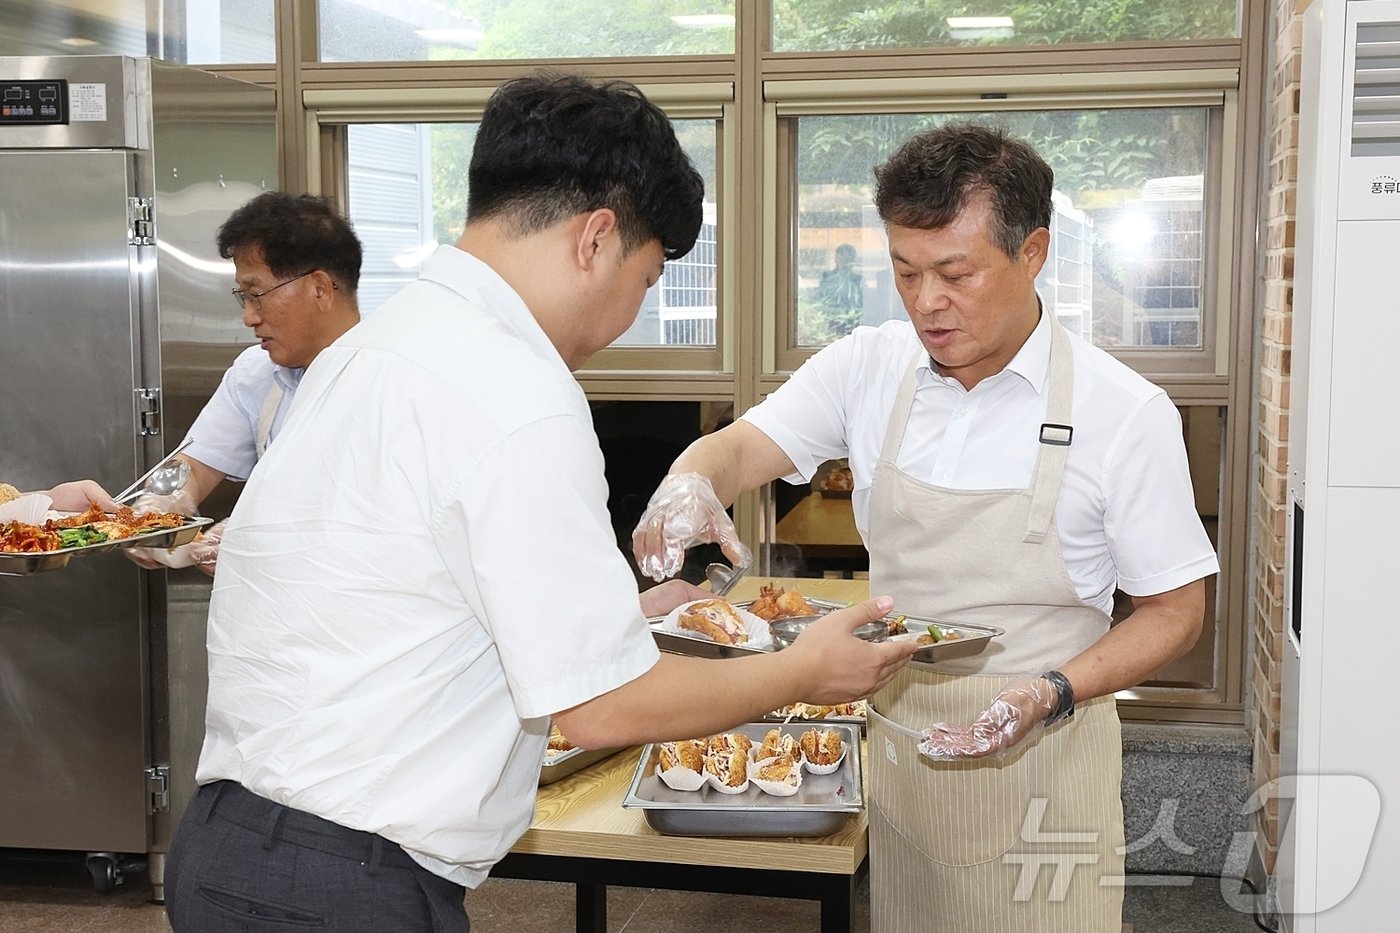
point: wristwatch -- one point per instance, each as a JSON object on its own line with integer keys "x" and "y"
{"x": 1064, "y": 697}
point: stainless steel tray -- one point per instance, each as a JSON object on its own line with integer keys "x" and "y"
{"x": 20, "y": 565}
{"x": 972, "y": 639}
{"x": 820, "y": 808}
{"x": 564, "y": 764}
{"x": 779, "y": 716}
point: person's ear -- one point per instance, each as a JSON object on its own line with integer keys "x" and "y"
{"x": 1035, "y": 250}
{"x": 596, "y": 237}
{"x": 322, "y": 286}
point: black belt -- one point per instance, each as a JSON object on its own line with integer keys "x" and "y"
{"x": 234, "y": 803}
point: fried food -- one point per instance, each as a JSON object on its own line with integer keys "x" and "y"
{"x": 716, "y": 620}
{"x": 91, "y": 527}
{"x": 854, "y": 710}
{"x": 781, "y": 770}
{"x": 558, "y": 742}
{"x": 896, "y": 625}
{"x": 726, "y": 742}
{"x": 821, "y": 746}
{"x": 776, "y": 745}
{"x": 776, "y": 603}
{"x": 729, "y": 768}
{"x": 687, "y": 753}
{"x": 8, "y": 493}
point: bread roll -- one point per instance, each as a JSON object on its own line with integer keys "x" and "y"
{"x": 8, "y": 493}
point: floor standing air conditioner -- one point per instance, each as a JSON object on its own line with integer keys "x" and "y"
{"x": 1339, "y": 791}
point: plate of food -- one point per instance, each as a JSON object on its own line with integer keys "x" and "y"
{"x": 735, "y": 629}
{"x": 853, "y": 713}
{"x": 29, "y": 548}
{"x": 836, "y": 482}
{"x": 563, "y": 758}
{"x": 757, "y": 780}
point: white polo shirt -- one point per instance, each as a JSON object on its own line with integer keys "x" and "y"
{"x": 1126, "y": 514}
{"x": 226, "y": 431}
{"x": 420, "y": 572}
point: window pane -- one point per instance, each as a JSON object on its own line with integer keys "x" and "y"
{"x": 1128, "y": 244}
{"x": 837, "y": 25}
{"x": 418, "y": 30}
{"x": 199, "y": 32}
{"x": 408, "y": 193}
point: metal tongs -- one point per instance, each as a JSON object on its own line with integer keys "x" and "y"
{"x": 723, "y": 577}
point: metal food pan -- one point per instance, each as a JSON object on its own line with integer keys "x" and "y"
{"x": 557, "y": 767}
{"x": 971, "y": 639}
{"x": 24, "y": 564}
{"x": 820, "y": 808}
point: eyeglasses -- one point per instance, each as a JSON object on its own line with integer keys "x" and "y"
{"x": 243, "y": 296}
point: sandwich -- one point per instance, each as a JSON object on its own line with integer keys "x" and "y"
{"x": 730, "y": 769}
{"x": 821, "y": 746}
{"x": 716, "y": 620}
{"x": 776, "y": 745}
{"x": 687, "y": 753}
{"x": 727, "y": 742}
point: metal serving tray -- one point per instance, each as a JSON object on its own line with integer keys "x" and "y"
{"x": 972, "y": 639}
{"x": 820, "y": 808}
{"x": 24, "y": 564}
{"x": 557, "y": 767}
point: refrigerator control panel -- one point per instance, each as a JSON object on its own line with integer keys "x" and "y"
{"x": 31, "y": 102}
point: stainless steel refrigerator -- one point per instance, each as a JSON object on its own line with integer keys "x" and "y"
{"x": 115, "y": 327}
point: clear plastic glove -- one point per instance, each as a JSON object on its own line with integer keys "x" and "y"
{"x": 684, "y": 511}
{"x": 1014, "y": 714}
{"x": 203, "y": 552}
{"x": 182, "y": 501}
{"x": 78, "y": 495}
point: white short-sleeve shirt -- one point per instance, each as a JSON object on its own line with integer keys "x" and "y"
{"x": 1126, "y": 513}
{"x": 226, "y": 431}
{"x": 420, "y": 572}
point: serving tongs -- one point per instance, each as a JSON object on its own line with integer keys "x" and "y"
{"x": 723, "y": 577}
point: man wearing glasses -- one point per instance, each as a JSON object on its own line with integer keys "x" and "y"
{"x": 297, "y": 267}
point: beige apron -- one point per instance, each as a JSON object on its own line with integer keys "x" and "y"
{"x": 1030, "y": 843}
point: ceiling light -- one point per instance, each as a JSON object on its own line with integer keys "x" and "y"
{"x": 77, "y": 42}
{"x": 981, "y": 27}
{"x": 454, "y": 35}
{"x": 704, "y": 20}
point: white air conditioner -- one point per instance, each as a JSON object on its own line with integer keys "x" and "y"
{"x": 1338, "y": 867}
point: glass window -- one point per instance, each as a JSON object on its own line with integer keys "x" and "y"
{"x": 408, "y": 193}
{"x": 198, "y": 32}
{"x": 839, "y": 25}
{"x": 418, "y": 30}
{"x": 1129, "y": 244}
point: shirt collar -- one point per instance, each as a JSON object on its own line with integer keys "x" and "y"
{"x": 484, "y": 288}
{"x": 288, "y": 379}
{"x": 1031, "y": 362}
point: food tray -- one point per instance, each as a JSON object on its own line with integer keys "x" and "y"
{"x": 24, "y": 564}
{"x": 556, "y": 767}
{"x": 820, "y": 808}
{"x": 972, "y": 638}
{"x": 779, "y": 716}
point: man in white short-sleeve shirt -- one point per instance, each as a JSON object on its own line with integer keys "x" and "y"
{"x": 1006, "y": 474}
{"x": 422, "y": 572}
{"x": 297, "y": 269}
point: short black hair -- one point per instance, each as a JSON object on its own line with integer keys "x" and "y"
{"x": 552, "y": 145}
{"x": 295, "y": 233}
{"x": 933, "y": 176}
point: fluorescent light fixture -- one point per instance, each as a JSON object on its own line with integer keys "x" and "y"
{"x": 704, "y": 20}
{"x": 455, "y": 35}
{"x": 981, "y": 27}
{"x": 77, "y": 42}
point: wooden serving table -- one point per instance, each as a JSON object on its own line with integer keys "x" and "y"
{"x": 824, "y": 528}
{"x": 582, "y": 835}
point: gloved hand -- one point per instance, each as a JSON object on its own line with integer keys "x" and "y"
{"x": 78, "y": 495}
{"x": 1015, "y": 713}
{"x": 203, "y": 552}
{"x": 683, "y": 511}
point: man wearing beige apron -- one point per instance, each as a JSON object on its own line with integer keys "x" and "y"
{"x": 1006, "y": 473}
{"x": 297, "y": 268}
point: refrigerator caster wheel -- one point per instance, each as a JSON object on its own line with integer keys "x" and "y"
{"x": 104, "y": 872}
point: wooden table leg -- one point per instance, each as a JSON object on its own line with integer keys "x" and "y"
{"x": 838, "y": 904}
{"x": 591, "y": 908}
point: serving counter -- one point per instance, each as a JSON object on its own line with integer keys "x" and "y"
{"x": 582, "y": 835}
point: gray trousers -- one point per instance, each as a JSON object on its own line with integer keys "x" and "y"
{"x": 240, "y": 863}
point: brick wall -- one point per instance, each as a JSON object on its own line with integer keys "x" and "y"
{"x": 1270, "y": 475}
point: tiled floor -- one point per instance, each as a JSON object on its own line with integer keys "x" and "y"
{"x": 51, "y": 893}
